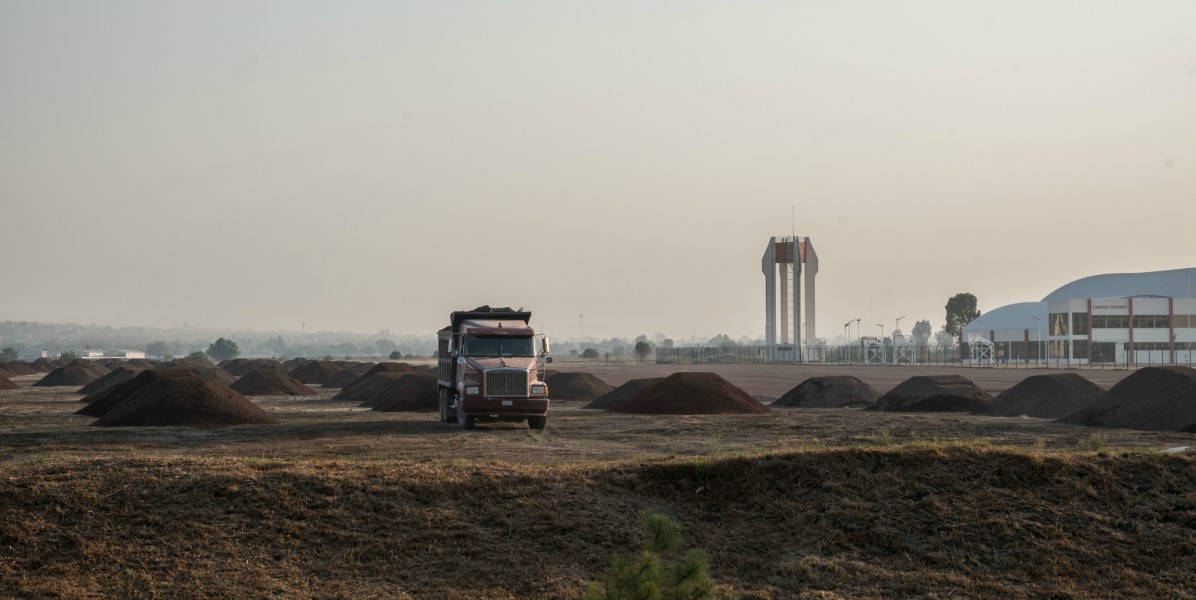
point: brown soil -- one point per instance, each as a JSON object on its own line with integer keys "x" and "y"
{"x": 6, "y": 384}
{"x": 829, "y": 392}
{"x": 1152, "y": 399}
{"x": 99, "y": 403}
{"x": 622, "y": 393}
{"x": 214, "y": 373}
{"x": 69, "y": 376}
{"x": 692, "y": 394}
{"x": 44, "y": 365}
{"x": 265, "y": 381}
{"x": 240, "y": 366}
{"x": 316, "y": 372}
{"x": 17, "y": 368}
{"x": 348, "y": 376}
{"x": 382, "y": 367}
{"x": 576, "y": 386}
{"x": 185, "y": 402}
{"x": 116, "y": 376}
{"x": 368, "y": 388}
{"x": 408, "y": 393}
{"x": 92, "y": 365}
{"x": 934, "y": 393}
{"x": 1046, "y": 397}
{"x": 183, "y": 363}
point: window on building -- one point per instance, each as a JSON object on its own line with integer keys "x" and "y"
{"x": 1079, "y": 349}
{"x": 1110, "y": 321}
{"x": 1079, "y": 323}
{"x": 1058, "y": 323}
{"x": 1058, "y": 349}
{"x": 1151, "y": 321}
{"x": 1182, "y": 321}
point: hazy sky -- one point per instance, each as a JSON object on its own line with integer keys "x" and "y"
{"x": 367, "y": 165}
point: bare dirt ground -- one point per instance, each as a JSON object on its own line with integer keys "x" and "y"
{"x": 341, "y": 501}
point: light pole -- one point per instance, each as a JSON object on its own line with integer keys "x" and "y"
{"x": 1038, "y": 359}
{"x": 897, "y": 326}
{"x": 882, "y": 333}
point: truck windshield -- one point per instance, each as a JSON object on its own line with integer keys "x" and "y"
{"x": 476, "y": 345}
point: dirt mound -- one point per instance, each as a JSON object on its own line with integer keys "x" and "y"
{"x": 90, "y": 365}
{"x": 99, "y": 403}
{"x": 623, "y": 393}
{"x": 692, "y": 394}
{"x": 214, "y": 373}
{"x": 577, "y": 386}
{"x": 183, "y": 363}
{"x": 316, "y": 371}
{"x": 140, "y": 363}
{"x": 114, "y": 377}
{"x": 1046, "y": 397}
{"x": 69, "y": 376}
{"x": 190, "y": 401}
{"x": 830, "y": 391}
{"x": 1152, "y": 399}
{"x": 347, "y": 377}
{"x": 17, "y": 368}
{"x": 934, "y": 393}
{"x": 368, "y": 387}
{"x": 382, "y": 367}
{"x": 407, "y": 393}
{"x": 238, "y": 367}
{"x": 5, "y": 384}
{"x": 44, "y": 365}
{"x": 265, "y": 381}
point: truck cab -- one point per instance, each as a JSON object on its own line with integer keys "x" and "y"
{"x": 489, "y": 367}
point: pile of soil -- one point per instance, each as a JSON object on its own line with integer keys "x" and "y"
{"x": 1152, "y": 399}
{"x": 369, "y": 387}
{"x": 101, "y": 402}
{"x": 316, "y": 371}
{"x": 382, "y": 367}
{"x": 692, "y": 394}
{"x": 140, "y": 363}
{"x": 93, "y": 365}
{"x": 622, "y": 393}
{"x": 831, "y": 391}
{"x": 347, "y": 377}
{"x": 1046, "y": 397}
{"x": 265, "y": 381}
{"x": 183, "y": 363}
{"x": 189, "y": 401}
{"x": 577, "y": 386}
{"x": 17, "y": 368}
{"x": 70, "y": 376}
{"x": 407, "y": 393}
{"x": 44, "y": 365}
{"x": 934, "y": 393}
{"x": 214, "y": 373}
{"x": 295, "y": 363}
{"x": 238, "y": 367}
{"x": 5, "y": 384}
{"x": 114, "y": 377}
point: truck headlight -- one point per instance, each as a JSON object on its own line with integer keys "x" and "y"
{"x": 539, "y": 389}
{"x": 472, "y": 390}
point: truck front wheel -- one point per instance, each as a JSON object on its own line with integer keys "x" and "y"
{"x": 536, "y": 422}
{"x": 463, "y": 422}
{"x": 448, "y": 414}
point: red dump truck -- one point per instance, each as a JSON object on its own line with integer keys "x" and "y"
{"x": 489, "y": 366}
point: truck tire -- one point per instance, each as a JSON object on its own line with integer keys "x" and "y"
{"x": 464, "y": 423}
{"x": 536, "y": 422}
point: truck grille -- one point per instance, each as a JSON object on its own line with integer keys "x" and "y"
{"x": 506, "y": 383}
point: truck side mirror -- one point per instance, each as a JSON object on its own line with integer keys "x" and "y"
{"x": 544, "y": 347}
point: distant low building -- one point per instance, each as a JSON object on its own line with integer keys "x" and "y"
{"x": 1126, "y": 318}
{"x": 124, "y": 354}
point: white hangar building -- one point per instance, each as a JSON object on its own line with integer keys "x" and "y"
{"x": 1138, "y": 318}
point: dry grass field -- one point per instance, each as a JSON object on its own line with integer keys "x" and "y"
{"x": 340, "y": 501}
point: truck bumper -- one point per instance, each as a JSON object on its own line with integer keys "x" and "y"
{"x": 505, "y": 407}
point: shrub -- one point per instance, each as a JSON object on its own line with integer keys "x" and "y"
{"x": 648, "y": 577}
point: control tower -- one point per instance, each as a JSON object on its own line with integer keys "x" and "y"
{"x": 786, "y": 259}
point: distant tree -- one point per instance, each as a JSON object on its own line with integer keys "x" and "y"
{"x": 9, "y": 354}
{"x": 943, "y": 338}
{"x": 69, "y": 355}
{"x": 619, "y": 351}
{"x": 921, "y": 332}
{"x": 223, "y": 349}
{"x": 643, "y": 349}
{"x": 641, "y": 338}
{"x": 327, "y": 357}
{"x": 276, "y": 345}
{"x": 667, "y": 343}
{"x": 157, "y": 349}
{"x": 722, "y": 340}
{"x": 197, "y": 355}
{"x": 396, "y": 355}
{"x": 589, "y": 353}
{"x": 573, "y": 352}
{"x": 385, "y": 347}
{"x": 961, "y": 310}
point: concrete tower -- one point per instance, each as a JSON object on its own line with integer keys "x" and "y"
{"x": 784, "y": 257}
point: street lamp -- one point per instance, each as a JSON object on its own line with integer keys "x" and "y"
{"x": 898, "y": 326}
{"x": 882, "y": 332}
